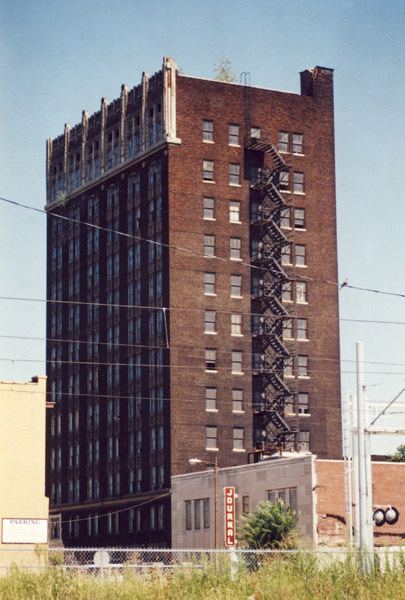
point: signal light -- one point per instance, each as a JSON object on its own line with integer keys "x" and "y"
{"x": 382, "y": 516}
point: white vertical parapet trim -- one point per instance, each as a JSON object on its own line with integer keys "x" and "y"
{"x": 103, "y": 115}
{"x": 145, "y": 89}
{"x": 314, "y": 483}
{"x": 124, "y": 103}
{"x": 65, "y": 156}
{"x": 85, "y": 122}
{"x": 169, "y": 100}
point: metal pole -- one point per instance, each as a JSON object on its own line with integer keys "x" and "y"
{"x": 355, "y": 477}
{"x": 349, "y": 463}
{"x": 362, "y": 462}
{"x": 216, "y": 501}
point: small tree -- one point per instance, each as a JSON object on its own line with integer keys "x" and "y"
{"x": 270, "y": 526}
{"x": 224, "y": 71}
{"x": 399, "y": 455}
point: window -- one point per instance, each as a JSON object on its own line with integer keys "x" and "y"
{"x": 301, "y": 292}
{"x": 209, "y": 284}
{"x": 210, "y": 398}
{"x": 286, "y": 255}
{"x": 234, "y": 174}
{"x": 300, "y": 255}
{"x": 287, "y": 329}
{"x": 237, "y": 400}
{"x": 208, "y": 131}
{"x": 255, "y": 132}
{"x": 285, "y": 218}
{"x": 236, "y": 361}
{"x": 283, "y": 141}
{"x": 302, "y": 329}
{"x": 210, "y": 360}
{"x": 235, "y": 248}
{"x": 304, "y": 440}
{"x": 236, "y": 324}
{"x": 208, "y": 170}
{"x": 210, "y": 321}
{"x": 298, "y": 183}
{"x": 233, "y": 135}
{"x": 288, "y": 496}
{"x": 287, "y": 292}
{"x": 209, "y": 245}
{"x": 236, "y": 286}
{"x": 197, "y": 514}
{"x": 302, "y": 364}
{"x": 234, "y": 211}
{"x": 303, "y": 403}
{"x": 238, "y": 438}
{"x": 284, "y": 180}
{"x": 211, "y": 437}
{"x": 297, "y": 143}
{"x": 245, "y": 505}
{"x": 299, "y": 218}
{"x": 288, "y": 367}
{"x": 187, "y": 513}
{"x": 208, "y": 211}
{"x": 206, "y": 513}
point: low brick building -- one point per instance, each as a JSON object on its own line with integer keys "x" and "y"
{"x": 313, "y": 487}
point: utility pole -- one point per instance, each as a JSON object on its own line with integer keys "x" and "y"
{"x": 364, "y": 470}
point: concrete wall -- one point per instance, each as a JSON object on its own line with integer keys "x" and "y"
{"x": 22, "y": 464}
{"x": 253, "y": 480}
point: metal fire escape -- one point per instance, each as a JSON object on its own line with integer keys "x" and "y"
{"x": 271, "y": 394}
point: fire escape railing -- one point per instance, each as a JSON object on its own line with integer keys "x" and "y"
{"x": 271, "y": 393}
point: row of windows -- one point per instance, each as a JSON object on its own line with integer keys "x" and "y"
{"x": 210, "y": 285}
{"x": 211, "y": 438}
{"x": 235, "y": 247}
{"x": 209, "y": 210}
{"x": 233, "y": 172}
{"x": 287, "y": 142}
{"x": 211, "y": 399}
{"x": 211, "y": 361}
{"x": 113, "y": 522}
{"x": 297, "y": 178}
{"x": 210, "y": 323}
{"x": 294, "y": 254}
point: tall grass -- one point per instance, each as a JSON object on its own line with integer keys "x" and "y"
{"x": 299, "y": 577}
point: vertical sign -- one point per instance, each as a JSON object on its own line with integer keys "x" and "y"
{"x": 229, "y": 514}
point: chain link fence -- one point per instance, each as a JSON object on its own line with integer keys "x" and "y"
{"x": 143, "y": 560}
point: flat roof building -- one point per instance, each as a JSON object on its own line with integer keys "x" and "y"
{"x": 192, "y": 297}
{"x": 23, "y": 504}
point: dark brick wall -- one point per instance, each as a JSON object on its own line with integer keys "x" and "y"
{"x": 271, "y": 111}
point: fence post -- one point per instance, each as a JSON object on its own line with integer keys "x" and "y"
{"x": 234, "y": 562}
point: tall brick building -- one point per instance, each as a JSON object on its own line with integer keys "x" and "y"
{"x": 208, "y": 327}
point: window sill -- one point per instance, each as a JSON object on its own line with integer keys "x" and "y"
{"x": 234, "y": 145}
{"x": 208, "y": 181}
{"x": 287, "y": 227}
{"x": 210, "y": 294}
{"x": 211, "y": 410}
{"x": 298, "y": 193}
{"x": 211, "y": 332}
{"x": 298, "y": 154}
{"x": 238, "y": 449}
{"x": 208, "y": 141}
{"x": 302, "y": 303}
{"x": 209, "y": 256}
{"x": 301, "y": 266}
{"x": 283, "y": 152}
{"x": 235, "y": 185}
{"x": 285, "y": 191}
{"x": 237, "y": 373}
{"x": 211, "y": 371}
{"x": 303, "y": 377}
{"x": 238, "y": 335}
{"x": 237, "y": 297}
{"x": 235, "y": 259}
{"x": 238, "y": 412}
{"x": 209, "y": 219}
{"x": 302, "y": 340}
{"x": 212, "y": 449}
{"x": 304, "y": 415}
{"x": 235, "y": 222}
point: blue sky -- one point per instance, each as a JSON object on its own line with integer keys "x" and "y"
{"x": 58, "y": 58}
